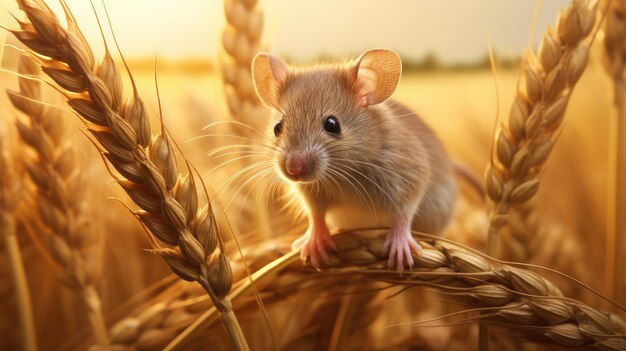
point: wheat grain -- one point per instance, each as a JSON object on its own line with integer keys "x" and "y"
{"x": 62, "y": 198}
{"x": 169, "y": 203}
{"x": 524, "y": 143}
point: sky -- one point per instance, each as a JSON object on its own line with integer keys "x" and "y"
{"x": 454, "y": 30}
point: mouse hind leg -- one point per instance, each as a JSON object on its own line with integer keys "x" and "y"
{"x": 437, "y": 208}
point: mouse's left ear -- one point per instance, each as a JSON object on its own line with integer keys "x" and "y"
{"x": 377, "y": 75}
{"x": 269, "y": 74}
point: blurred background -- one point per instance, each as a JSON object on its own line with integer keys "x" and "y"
{"x": 447, "y": 79}
{"x": 453, "y": 31}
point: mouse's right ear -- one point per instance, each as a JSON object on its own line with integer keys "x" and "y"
{"x": 377, "y": 73}
{"x": 269, "y": 74}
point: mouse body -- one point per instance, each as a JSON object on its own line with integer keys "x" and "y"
{"x": 354, "y": 157}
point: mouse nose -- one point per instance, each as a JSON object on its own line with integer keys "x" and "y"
{"x": 295, "y": 165}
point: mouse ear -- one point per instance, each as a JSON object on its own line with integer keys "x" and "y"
{"x": 378, "y": 73}
{"x": 269, "y": 74}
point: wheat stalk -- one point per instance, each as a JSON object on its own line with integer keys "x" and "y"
{"x": 9, "y": 199}
{"x": 615, "y": 64}
{"x": 169, "y": 202}
{"x": 517, "y": 299}
{"x": 523, "y": 144}
{"x": 62, "y": 200}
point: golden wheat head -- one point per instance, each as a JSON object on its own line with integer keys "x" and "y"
{"x": 169, "y": 205}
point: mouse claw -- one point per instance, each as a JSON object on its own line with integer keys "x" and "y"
{"x": 314, "y": 245}
{"x": 400, "y": 247}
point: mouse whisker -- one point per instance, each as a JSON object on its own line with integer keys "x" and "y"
{"x": 353, "y": 182}
{"x": 265, "y": 188}
{"x": 239, "y": 123}
{"x": 370, "y": 164}
{"x": 383, "y": 191}
{"x": 213, "y": 135}
{"x": 404, "y": 115}
{"x": 367, "y": 193}
{"x": 241, "y": 152}
{"x": 391, "y": 171}
{"x": 236, "y": 193}
{"x": 230, "y": 161}
{"x": 327, "y": 181}
{"x": 254, "y": 179}
{"x": 218, "y": 192}
{"x": 236, "y": 146}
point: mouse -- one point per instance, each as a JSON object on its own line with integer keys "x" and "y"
{"x": 351, "y": 155}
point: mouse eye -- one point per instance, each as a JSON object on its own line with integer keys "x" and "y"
{"x": 331, "y": 125}
{"x": 278, "y": 128}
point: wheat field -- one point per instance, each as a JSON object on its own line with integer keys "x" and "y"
{"x": 131, "y": 220}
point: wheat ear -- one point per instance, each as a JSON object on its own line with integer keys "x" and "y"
{"x": 9, "y": 199}
{"x": 62, "y": 199}
{"x": 515, "y": 298}
{"x": 241, "y": 41}
{"x": 615, "y": 64}
{"x": 168, "y": 201}
{"x": 523, "y": 144}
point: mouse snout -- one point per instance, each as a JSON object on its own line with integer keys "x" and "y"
{"x": 299, "y": 165}
{"x": 295, "y": 164}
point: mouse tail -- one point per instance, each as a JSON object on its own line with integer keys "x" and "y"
{"x": 466, "y": 174}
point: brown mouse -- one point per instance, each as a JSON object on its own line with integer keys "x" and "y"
{"x": 354, "y": 157}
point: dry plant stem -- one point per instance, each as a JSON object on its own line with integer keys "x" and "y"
{"x": 27, "y": 324}
{"x": 523, "y": 144}
{"x": 518, "y": 299}
{"x": 615, "y": 64}
{"x": 94, "y": 312}
{"x": 262, "y": 276}
{"x": 184, "y": 233}
{"x": 9, "y": 198}
{"x": 619, "y": 261}
{"x": 54, "y": 170}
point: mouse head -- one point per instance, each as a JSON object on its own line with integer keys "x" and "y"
{"x": 326, "y": 117}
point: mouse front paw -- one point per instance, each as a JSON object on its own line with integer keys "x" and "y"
{"x": 314, "y": 244}
{"x": 400, "y": 244}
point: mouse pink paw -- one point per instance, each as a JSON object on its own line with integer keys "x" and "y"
{"x": 314, "y": 244}
{"x": 399, "y": 244}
